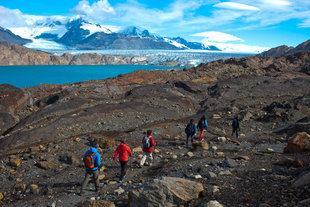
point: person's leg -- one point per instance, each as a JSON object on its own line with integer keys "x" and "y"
{"x": 236, "y": 133}
{"x": 233, "y": 131}
{"x": 192, "y": 138}
{"x": 201, "y": 135}
{"x": 187, "y": 137}
{"x": 96, "y": 179}
{"x": 123, "y": 169}
{"x": 85, "y": 182}
{"x": 151, "y": 158}
{"x": 143, "y": 159}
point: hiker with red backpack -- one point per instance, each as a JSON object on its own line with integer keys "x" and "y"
{"x": 147, "y": 147}
{"x": 202, "y": 126}
{"x": 123, "y": 150}
{"x": 190, "y": 131}
{"x": 92, "y": 164}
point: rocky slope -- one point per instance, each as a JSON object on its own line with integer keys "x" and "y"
{"x": 8, "y": 36}
{"x": 285, "y": 50}
{"x": 47, "y": 129}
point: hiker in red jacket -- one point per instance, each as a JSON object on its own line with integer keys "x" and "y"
{"x": 123, "y": 150}
{"x": 147, "y": 147}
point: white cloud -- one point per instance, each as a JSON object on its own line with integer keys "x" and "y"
{"x": 99, "y": 10}
{"x": 11, "y": 17}
{"x": 237, "y": 6}
{"x": 237, "y": 48}
{"x": 276, "y": 2}
{"x": 217, "y": 37}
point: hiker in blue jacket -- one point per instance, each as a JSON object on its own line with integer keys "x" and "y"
{"x": 92, "y": 164}
{"x": 235, "y": 126}
{"x": 190, "y": 131}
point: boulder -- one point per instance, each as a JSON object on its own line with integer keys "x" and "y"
{"x": 299, "y": 142}
{"x": 95, "y": 203}
{"x": 200, "y": 146}
{"x": 70, "y": 159}
{"x": 302, "y": 180}
{"x": 46, "y": 165}
{"x": 165, "y": 192}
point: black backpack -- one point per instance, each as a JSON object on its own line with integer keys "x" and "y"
{"x": 146, "y": 142}
{"x": 201, "y": 124}
{"x": 190, "y": 129}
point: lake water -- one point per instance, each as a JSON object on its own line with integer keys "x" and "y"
{"x": 26, "y": 76}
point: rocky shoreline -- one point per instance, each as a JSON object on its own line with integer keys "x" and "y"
{"x": 45, "y": 130}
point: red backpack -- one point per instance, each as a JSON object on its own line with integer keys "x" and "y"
{"x": 89, "y": 161}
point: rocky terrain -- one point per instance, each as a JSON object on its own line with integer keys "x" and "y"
{"x": 285, "y": 50}
{"x": 46, "y": 129}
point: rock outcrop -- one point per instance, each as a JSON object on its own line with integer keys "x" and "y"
{"x": 168, "y": 191}
{"x": 285, "y": 50}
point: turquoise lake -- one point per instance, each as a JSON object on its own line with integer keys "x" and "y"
{"x": 26, "y": 76}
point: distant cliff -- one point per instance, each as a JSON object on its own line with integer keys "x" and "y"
{"x": 12, "y": 54}
{"x": 8, "y": 36}
{"x": 285, "y": 50}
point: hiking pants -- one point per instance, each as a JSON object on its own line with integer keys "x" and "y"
{"x": 88, "y": 174}
{"x": 123, "y": 169}
{"x": 189, "y": 136}
{"x": 145, "y": 155}
{"x": 235, "y": 130}
{"x": 201, "y": 135}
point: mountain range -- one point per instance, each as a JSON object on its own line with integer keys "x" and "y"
{"x": 77, "y": 33}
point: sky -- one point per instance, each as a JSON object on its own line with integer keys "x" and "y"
{"x": 241, "y": 23}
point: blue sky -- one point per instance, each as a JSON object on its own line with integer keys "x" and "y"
{"x": 253, "y": 23}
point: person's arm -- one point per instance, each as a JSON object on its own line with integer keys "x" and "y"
{"x": 129, "y": 151}
{"x": 153, "y": 143}
{"x": 98, "y": 161}
{"x": 195, "y": 129}
{"x": 206, "y": 124}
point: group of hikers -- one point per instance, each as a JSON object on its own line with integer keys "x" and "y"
{"x": 92, "y": 161}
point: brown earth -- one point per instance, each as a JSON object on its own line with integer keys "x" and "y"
{"x": 46, "y": 126}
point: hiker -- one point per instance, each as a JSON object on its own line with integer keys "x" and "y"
{"x": 190, "y": 131}
{"x": 236, "y": 127}
{"x": 123, "y": 150}
{"x": 202, "y": 126}
{"x": 92, "y": 164}
{"x": 147, "y": 147}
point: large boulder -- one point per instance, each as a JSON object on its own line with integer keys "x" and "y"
{"x": 299, "y": 142}
{"x": 165, "y": 192}
{"x": 95, "y": 203}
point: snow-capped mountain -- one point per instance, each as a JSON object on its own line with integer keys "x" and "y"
{"x": 78, "y": 33}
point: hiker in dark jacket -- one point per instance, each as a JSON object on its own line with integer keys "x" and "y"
{"x": 147, "y": 150}
{"x": 202, "y": 126}
{"x": 235, "y": 126}
{"x": 123, "y": 150}
{"x": 190, "y": 131}
{"x": 92, "y": 164}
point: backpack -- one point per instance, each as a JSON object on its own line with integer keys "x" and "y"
{"x": 201, "y": 124}
{"x": 146, "y": 142}
{"x": 235, "y": 124}
{"x": 190, "y": 129}
{"x": 89, "y": 161}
